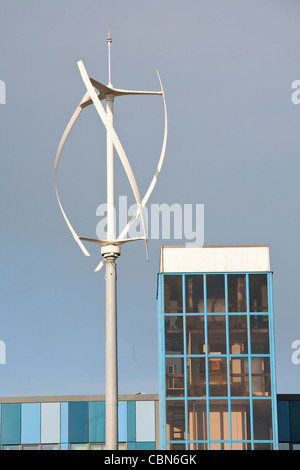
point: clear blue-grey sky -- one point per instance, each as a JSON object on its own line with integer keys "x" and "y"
{"x": 234, "y": 139}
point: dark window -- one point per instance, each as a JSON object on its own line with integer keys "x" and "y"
{"x": 175, "y": 420}
{"x": 174, "y": 377}
{"x": 261, "y": 381}
{"x": 196, "y": 376}
{"x": 173, "y": 294}
{"x": 218, "y": 377}
{"x": 194, "y": 294}
{"x": 258, "y": 292}
{"x": 259, "y": 326}
{"x": 262, "y": 420}
{"x": 174, "y": 335}
{"x": 237, "y": 293}
{"x": 238, "y": 339}
{"x": 195, "y": 338}
{"x": 216, "y": 331}
{"x": 215, "y": 288}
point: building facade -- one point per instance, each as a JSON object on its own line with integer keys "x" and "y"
{"x": 76, "y": 423}
{"x": 217, "y": 384}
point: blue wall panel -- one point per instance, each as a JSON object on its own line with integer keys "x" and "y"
{"x": 131, "y": 421}
{"x": 283, "y": 421}
{"x": 64, "y": 423}
{"x": 97, "y": 421}
{"x": 122, "y": 421}
{"x": 78, "y": 422}
{"x": 11, "y": 424}
{"x": 30, "y": 423}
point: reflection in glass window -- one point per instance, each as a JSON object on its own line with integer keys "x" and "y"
{"x": 194, "y": 294}
{"x": 196, "y": 379}
{"x": 172, "y": 446}
{"x": 238, "y": 339}
{"x": 237, "y": 293}
{"x": 258, "y": 292}
{"x": 261, "y": 380}
{"x": 174, "y": 335}
{"x": 174, "y": 377}
{"x": 259, "y": 325}
{"x": 239, "y": 376}
{"x": 240, "y": 422}
{"x": 173, "y": 294}
{"x": 262, "y": 420}
{"x": 195, "y": 338}
{"x": 216, "y": 332}
{"x": 218, "y": 377}
{"x": 175, "y": 420}
{"x": 197, "y": 420}
{"x": 219, "y": 425}
{"x": 215, "y": 286}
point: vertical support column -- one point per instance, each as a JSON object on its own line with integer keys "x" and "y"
{"x": 111, "y": 373}
{"x": 111, "y": 232}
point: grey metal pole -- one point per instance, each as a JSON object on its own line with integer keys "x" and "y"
{"x": 111, "y": 373}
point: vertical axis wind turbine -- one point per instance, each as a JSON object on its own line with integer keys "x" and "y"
{"x": 111, "y": 246}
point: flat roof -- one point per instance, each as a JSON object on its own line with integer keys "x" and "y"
{"x": 222, "y": 258}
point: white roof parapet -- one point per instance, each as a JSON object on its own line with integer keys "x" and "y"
{"x": 191, "y": 259}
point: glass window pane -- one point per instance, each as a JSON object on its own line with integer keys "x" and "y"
{"x": 196, "y": 376}
{"x": 259, "y": 325}
{"x": 97, "y": 421}
{"x": 79, "y": 447}
{"x": 11, "y": 423}
{"x": 78, "y": 422}
{"x": 172, "y": 446}
{"x": 238, "y": 339}
{"x": 197, "y": 420}
{"x": 237, "y": 293}
{"x": 295, "y": 420}
{"x": 97, "y": 446}
{"x": 194, "y": 294}
{"x": 50, "y": 447}
{"x": 215, "y": 287}
{"x": 239, "y": 377}
{"x": 174, "y": 377}
{"x": 258, "y": 292}
{"x": 262, "y": 420}
{"x": 30, "y": 447}
{"x": 195, "y": 338}
{"x": 218, "y": 419}
{"x": 216, "y": 332}
{"x": 175, "y": 420}
{"x": 218, "y": 377}
{"x": 31, "y": 423}
{"x": 11, "y": 447}
{"x": 240, "y": 421}
{"x": 174, "y": 335}
{"x": 173, "y": 294}
{"x": 197, "y": 446}
{"x": 261, "y": 381}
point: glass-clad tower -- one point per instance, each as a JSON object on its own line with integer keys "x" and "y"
{"x": 216, "y": 349}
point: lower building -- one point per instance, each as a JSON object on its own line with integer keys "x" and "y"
{"x": 77, "y": 423}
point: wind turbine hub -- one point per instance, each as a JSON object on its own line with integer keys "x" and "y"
{"x": 110, "y": 251}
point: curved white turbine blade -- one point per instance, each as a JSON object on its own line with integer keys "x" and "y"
{"x": 117, "y": 144}
{"x": 158, "y": 168}
{"x": 58, "y": 154}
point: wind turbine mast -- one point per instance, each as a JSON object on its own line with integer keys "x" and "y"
{"x": 111, "y": 245}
